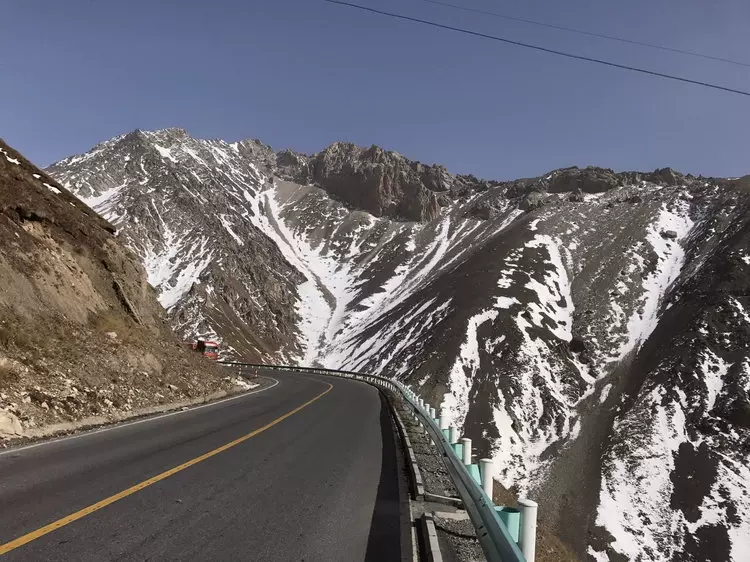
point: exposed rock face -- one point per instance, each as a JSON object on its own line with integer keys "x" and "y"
{"x": 666, "y": 176}
{"x": 532, "y": 201}
{"x": 588, "y": 329}
{"x": 378, "y": 181}
{"x": 65, "y": 281}
{"x": 10, "y": 425}
{"x": 588, "y": 180}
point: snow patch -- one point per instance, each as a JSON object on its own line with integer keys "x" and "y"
{"x": 740, "y": 309}
{"x": 244, "y": 384}
{"x": 506, "y": 302}
{"x": 553, "y": 292}
{"x": 9, "y": 159}
{"x": 165, "y": 153}
{"x": 52, "y": 188}
{"x": 228, "y": 227}
{"x": 456, "y": 401}
{"x": 712, "y": 371}
{"x": 636, "y": 482}
{"x": 670, "y": 259}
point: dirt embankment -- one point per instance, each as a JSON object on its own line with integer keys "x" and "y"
{"x": 81, "y": 331}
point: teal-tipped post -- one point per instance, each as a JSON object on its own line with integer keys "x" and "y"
{"x": 458, "y": 448}
{"x": 511, "y": 518}
{"x": 473, "y": 470}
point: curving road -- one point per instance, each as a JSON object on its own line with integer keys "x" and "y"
{"x": 305, "y": 470}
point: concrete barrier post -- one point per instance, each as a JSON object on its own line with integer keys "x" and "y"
{"x": 485, "y": 469}
{"x": 527, "y": 535}
{"x": 466, "y": 444}
{"x": 443, "y": 421}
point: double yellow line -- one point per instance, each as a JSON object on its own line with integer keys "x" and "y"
{"x": 27, "y": 538}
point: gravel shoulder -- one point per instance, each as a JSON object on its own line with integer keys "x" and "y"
{"x": 239, "y": 386}
{"x": 456, "y": 534}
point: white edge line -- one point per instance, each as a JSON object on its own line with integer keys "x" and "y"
{"x": 116, "y": 425}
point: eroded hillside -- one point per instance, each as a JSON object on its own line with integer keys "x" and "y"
{"x": 81, "y": 331}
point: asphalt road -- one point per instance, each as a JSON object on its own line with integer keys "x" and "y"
{"x": 321, "y": 484}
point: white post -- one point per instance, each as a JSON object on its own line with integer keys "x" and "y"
{"x": 443, "y": 421}
{"x": 466, "y": 442}
{"x": 527, "y": 533}
{"x": 432, "y": 412}
{"x": 452, "y": 435}
{"x": 485, "y": 469}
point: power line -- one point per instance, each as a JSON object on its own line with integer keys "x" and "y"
{"x": 590, "y": 33}
{"x": 543, "y": 49}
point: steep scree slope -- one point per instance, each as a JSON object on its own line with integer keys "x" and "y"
{"x": 81, "y": 331}
{"x": 589, "y": 329}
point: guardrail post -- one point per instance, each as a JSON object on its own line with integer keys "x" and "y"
{"x": 443, "y": 425}
{"x": 485, "y": 469}
{"x": 432, "y": 412}
{"x": 452, "y": 435}
{"x": 527, "y": 536}
{"x": 466, "y": 445}
{"x": 511, "y": 518}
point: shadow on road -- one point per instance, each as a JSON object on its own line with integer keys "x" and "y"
{"x": 386, "y": 529}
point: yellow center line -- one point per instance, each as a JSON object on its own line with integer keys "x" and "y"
{"x": 27, "y": 538}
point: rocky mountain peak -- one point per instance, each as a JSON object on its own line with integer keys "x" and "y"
{"x": 168, "y": 135}
{"x": 587, "y": 180}
{"x": 380, "y": 182}
{"x": 666, "y": 176}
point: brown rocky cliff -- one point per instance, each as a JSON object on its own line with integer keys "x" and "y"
{"x": 81, "y": 331}
{"x": 382, "y": 182}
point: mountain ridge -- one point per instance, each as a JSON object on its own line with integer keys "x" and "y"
{"x": 532, "y": 310}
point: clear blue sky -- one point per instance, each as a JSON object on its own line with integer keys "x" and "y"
{"x": 303, "y": 73}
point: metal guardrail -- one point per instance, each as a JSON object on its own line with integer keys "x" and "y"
{"x": 496, "y": 540}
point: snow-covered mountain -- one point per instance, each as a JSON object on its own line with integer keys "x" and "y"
{"x": 588, "y": 329}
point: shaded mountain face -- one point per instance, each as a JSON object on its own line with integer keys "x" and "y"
{"x": 377, "y": 181}
{"x": 588, "y": 329}
{"x": 81, "y": 331}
